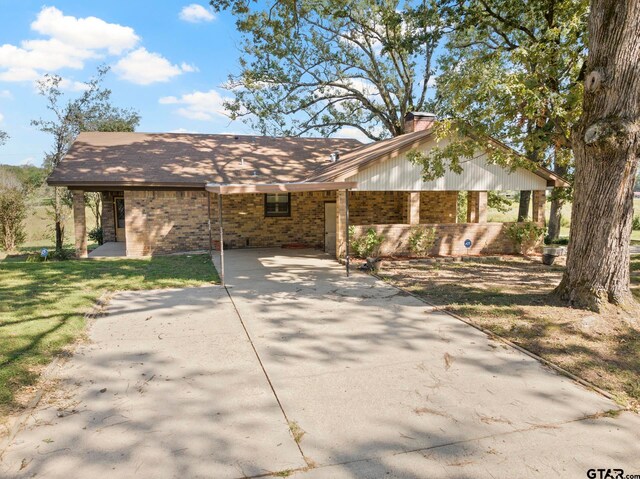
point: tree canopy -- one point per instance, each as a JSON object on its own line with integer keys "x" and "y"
{"x": 511, "y": 70}
{"x": 91, "y": 111}
{"x": 318, "y": 66}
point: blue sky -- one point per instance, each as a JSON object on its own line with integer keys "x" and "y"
{"x": 168, "y": 59}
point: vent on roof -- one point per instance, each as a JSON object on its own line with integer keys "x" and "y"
{"x": 335, "y": 156}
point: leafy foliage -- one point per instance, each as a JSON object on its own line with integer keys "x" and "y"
{"x": 511, "y": 71}
{"x": 13, "y": 212}
{"x": 421, "y": 240}
{"x": 30, "y": 177}
{"x": 499, "y": 201}
{"x": 525, "y": 236}
{"x": 319, "y": 66}
{"x": 367, "y": 245}
{"x": 96, "y": 235}
{"x": 636, "y": 223}
{"x": 91, "y": 111}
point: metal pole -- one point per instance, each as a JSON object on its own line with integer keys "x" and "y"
{"x": 221, "y": 238}
{"x": 209, "y": 225}
{"x": 346, "y": 225}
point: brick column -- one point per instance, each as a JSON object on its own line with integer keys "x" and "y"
{"x": 79, "y": 223}
{"x": 413, "y": 208}
{"x": 341, "y": 218}
{"x": 539, "y": 199}
{"x": 108, "y": 219}
{"x": 477, "y": 207}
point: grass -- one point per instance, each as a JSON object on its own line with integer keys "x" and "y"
{"x": 42, "y": 306}
{"x": 512, "y": 299}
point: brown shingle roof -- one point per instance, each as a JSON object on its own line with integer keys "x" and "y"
{"x": 192, "y": 160}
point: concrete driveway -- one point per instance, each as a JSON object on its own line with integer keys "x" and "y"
{"x": 201, "y": 383}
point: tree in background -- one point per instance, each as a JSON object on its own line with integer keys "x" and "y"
{"x": 91, "y": 111}
{"x": 511, "y": 70}
{"x": 3, "y": 137}
{"x": 310, "y": 66}
{"x": 13, "y": 211}
{"x": 606, "y": 145}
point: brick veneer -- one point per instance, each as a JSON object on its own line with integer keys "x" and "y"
{"x": 79, "y": 223}
{"x": 108, "y": 218}
{"x": 438, "y": 206}
{"x": 160, "y": 222}
{"x": 487, "y": 238}
{"x": 246, "y": 226}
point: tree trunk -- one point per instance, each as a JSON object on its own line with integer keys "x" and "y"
{"x": 555, "y": 217}
{"x": 58, "y": 219}
{"x": 523, "y": 209}
{"x": 606, "y": 145}
{"x": 558, "y": 199}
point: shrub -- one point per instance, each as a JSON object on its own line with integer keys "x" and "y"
{"x": 525, "y": 236}
{"x": 564, "y": 241}
{"x": 96, "y": 235}
{"x": 13, "y": 211}
{"x": 636, "y": 223}
{"x": 366, "y": 245}
{"x": 421, "y": 240}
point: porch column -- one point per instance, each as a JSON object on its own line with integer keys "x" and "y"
{"x": 413, "y": 208}
{"x": 539, "y": 199}
{"x": 341, "y": 223}
{"x": 477, "y": 207}
{"x": 79, "y": 223}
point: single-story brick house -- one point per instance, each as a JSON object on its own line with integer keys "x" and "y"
{"x": 164, "y": 193}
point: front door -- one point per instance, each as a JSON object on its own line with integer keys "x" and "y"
{"x": 118, "y": 209}
{"x": 330, "y": 228}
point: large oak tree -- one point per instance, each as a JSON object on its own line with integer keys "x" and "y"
{"x": 606, "y": 145}
{"x": 317, "y": 66}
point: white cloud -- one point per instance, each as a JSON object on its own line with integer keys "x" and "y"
{"x": 352, "y": 133}
{"x": 71, "y": 41}
{"x": 91, "y": 33}
{"x": 143, "y": 67}
{"x": 182, "y": 130}
{"x": 198, "y": 105}
{"x": 1, "y": 117}
{"x": 72, "y": 85}
{"x": 195, "y": 13}
{"x": 6, "y": 94}
{"x": 188, "y": 68}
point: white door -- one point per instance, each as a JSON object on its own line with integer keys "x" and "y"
{"x": 330, "y": 228}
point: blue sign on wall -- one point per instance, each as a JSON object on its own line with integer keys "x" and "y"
{"x": 467, "y": 243}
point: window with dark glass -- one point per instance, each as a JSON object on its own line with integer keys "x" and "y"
{"x": 277, "y": 204}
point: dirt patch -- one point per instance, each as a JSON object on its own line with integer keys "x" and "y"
{"x": 512, "y": 299}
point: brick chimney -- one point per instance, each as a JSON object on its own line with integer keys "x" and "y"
{"x": 417, "y": 121}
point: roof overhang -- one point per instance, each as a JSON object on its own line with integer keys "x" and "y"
{"x": 236, "y": 189}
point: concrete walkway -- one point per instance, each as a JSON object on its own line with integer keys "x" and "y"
{"x": 373, "y": 383}
{"x": 110, "y": 250}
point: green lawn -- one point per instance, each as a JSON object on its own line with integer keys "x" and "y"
{"x": 42, "y": 306}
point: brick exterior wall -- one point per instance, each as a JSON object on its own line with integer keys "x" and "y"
{"x": 438, "y": 206}
{"x": 108, "y": 219}
{"x": 487, "y": 238}
{"x": 245, "y": 224}
{"x": 79, "y": 223}
{"x": 160, "y": 222}
{"x": 381, "y": 207}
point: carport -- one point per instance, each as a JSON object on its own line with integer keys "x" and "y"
{"x": 342, "y": 208}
